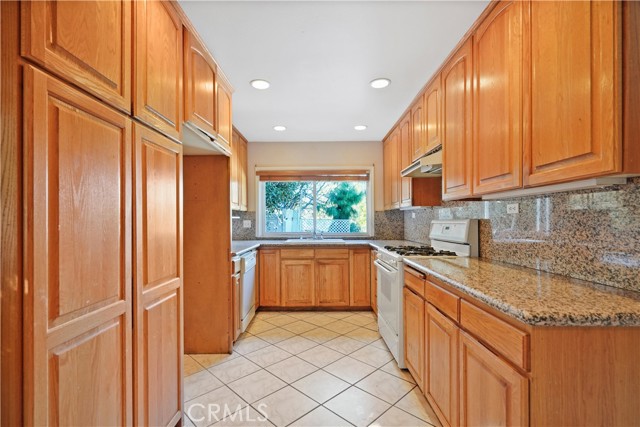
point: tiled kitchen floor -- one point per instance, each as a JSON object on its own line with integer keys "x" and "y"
{"x": 304, "y": 369}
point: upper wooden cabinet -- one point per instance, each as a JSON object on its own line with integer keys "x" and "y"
{"x": 158, "y": 65}
{"x": 391, "y": 160}
{"x": 418, "y": 141}
{"x": 78, "y": 239}
{"x": 199, "y": 85}
{"x": 404, "y": 132}
{"x": 498, "y": 99}
{"x": 238, "y": 171}
{"x": 87, "y": 43}
{"x": 456, "y": 124}
{"x": 223, "y": 106}
{"x": 575, "y": 113}
{"x": 432, "y": 115}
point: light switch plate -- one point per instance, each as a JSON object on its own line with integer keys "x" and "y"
{"x": 246, "y": 223}
{"x": 512, "y": 208}
{"x": 413, "y": 215}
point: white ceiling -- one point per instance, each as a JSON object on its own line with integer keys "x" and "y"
{"x": 320, "y": 56}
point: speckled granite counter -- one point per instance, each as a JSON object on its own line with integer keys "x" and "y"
{"x": 535, "y": 297}
{"x": 238, "y": 247}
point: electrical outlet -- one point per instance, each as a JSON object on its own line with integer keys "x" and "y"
{"x": 246, "y": 223}
{"x": 413, "y": 215}
{"x": 512, "y": 208}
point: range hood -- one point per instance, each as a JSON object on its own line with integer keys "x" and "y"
{"x": 197, "y": 142}
{"x": 425, "y": 167}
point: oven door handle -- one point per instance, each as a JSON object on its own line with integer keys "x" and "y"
{"x": 383, "y": 267}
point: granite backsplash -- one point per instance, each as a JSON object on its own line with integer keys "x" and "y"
{"x": 388, "y": 225}
{"x": 592, "y": 235}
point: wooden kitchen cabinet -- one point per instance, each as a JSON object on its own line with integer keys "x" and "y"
{"x": 404, "y": 132}
{"x": 269, "y": 274}
{"x": 391, "y": 153}
{"x": 86, "y": 43}
{"x": 441, "y": 364}
{"x": 223, "y": 107}
{"x": 387, "y": 173}
{"x": 199, "y": 84}
{"x": 332, "y": 282}
{"x": 78, "y": 302}
{"x": 414, "y": 336}
{"x": 418, "y": 138}
{"x": 432, "y": 115}
{"x": 359, "y": 276}
{"x": 498, "y": 99}
{"x": 157, "y": 283}
{"x": 491, "y": 391}
{"x": 297, "y": 282}
{"x": 158, "y": 65}
{"x": 575, "y": 114}
{"x": 238, "y": 171}
{"x": 374, "y": 284}
{"x": 457, "y": 93}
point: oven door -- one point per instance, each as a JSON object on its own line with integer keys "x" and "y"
{"x": 388, "y": 293}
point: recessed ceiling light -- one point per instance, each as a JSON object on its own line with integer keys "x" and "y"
{"x": 279, "y": 128}
{"x": 360, "y": 127}
{"x": 260, "y": 84}
{"x": 380, "y": 83}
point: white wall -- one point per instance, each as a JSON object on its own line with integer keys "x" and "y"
{"x": 292, "y": 154}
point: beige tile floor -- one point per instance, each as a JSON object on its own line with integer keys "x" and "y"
{"x": 304, "y": 369}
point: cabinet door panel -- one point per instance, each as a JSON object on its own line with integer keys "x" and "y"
{"x": 574, "y": 125}
{"x": 491, "y": 391}
{"x": 405, "y": 160}
{"x": 78, "y": 242}
{"x": 158, "y": 66}
{"x": 223, "y": 104}
{"x": 498, "y": 100}
{"x": 414, "y": 335}
{"x": 298, "y": 284}
{"x": 85, "y": 42}
{"x": 441, "y": 370}
{"x": 158, "y": 278}
{"x": 418, "y": 143}
{"x": 456, "y": 125}
{"x": 243, "y": 170}
{"x": 269, "y": 277}
{"x": 199, "y": 83}
{"x": 386, "y": 154}
{"x": 332, "y": 282}
{"x": 432, "y": 115}
{"x": 360, "y": 274}
{"x": 235, "y": 170}
{"x": 394, "y": 169}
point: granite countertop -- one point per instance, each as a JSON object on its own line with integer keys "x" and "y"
{"x": 238, "y": 247}
{"x": 535, "y": 297}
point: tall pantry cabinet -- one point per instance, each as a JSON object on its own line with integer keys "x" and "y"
{"x": 92, "y": 258}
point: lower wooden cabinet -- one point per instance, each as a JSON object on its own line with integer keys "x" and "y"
{"x": 414, "y": 335}
{"x": 441, "y": 364}
{"x": 315, "y": 277}
{"x": 297, "y": 282}
{"x": 374, "y": 284}
{"x": 491, "y": 391}
{"x": 332, "y": 282}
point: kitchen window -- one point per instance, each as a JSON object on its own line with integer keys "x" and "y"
{"x": 331, "y": 203}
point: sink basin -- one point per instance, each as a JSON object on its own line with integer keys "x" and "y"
{"x": 315, "y": 241}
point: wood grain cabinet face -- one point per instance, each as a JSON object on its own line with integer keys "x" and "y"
{"x": 491, "y": 391}
{"x": 433, "y": 115}
{"x": 223, "y": 105}
{"x": 87, "y": 43}
{"x": 441, "y": 364}
{"x": 574, "y": 125}
{"x": 158, "y": 65}
{"x": 243, "y": 174}
{"x": 387, "y": 172}
{"x": 498, "y": 99}
{"x": 405, "y": 132}
{"x": 394, "y": 168}
{"x": 78, "y": 192}
{"x": 359, "y": 272}
{"x": 414, "y": 335}
{"x": 269, "y": 273}
{"x": 298, "y": 282}
{"x": 238, "y": 172}
{"x": 418, "y": 140}
{"x": 332, "y": 282}
{"x": 158, "y": 278}
{"x": 199, "y": 84}
{"x": 456, "y": 125}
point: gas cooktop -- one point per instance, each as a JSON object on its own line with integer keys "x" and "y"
{"x": 418, "y": 251}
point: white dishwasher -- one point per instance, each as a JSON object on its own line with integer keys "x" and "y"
{"x": 247, "y": 287}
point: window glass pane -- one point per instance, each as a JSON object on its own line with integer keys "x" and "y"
{"x": 342, "y": 207}
{"x": 288, "y": 207}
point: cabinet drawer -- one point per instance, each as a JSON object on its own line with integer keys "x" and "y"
{"x": 414, "y": 280}
{"x": 296, "y": 253}
{"x": 443, "y": 300}
{"x": 511, "y": 342}
{"x": 332, "y": 253}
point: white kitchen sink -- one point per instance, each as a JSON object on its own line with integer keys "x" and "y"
{"x": 315, "y": 241}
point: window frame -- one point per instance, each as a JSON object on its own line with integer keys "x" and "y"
{"x": 261, "y": 208}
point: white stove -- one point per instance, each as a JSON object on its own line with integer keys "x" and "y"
{"x": 449, "y": 239}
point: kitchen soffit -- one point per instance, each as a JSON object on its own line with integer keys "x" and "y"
{"x": 320, "y": 56}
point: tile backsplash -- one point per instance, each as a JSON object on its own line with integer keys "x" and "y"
{"x": 592, "y": 235}
{"x": 388, "y": 225}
